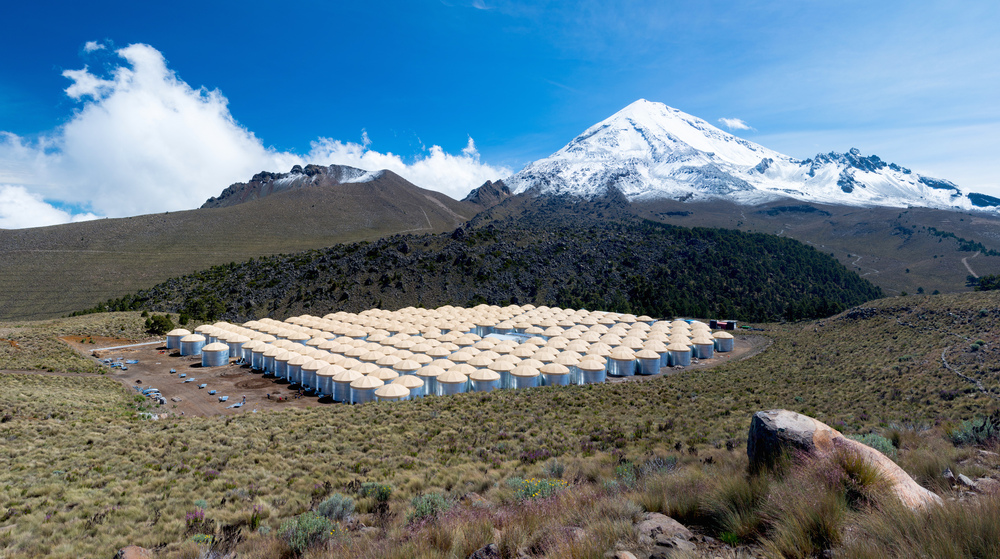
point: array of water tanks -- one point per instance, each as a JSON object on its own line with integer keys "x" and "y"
{"x": 409, "y": 353}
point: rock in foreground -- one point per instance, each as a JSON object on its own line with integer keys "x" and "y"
{"x": 775, "y": 432}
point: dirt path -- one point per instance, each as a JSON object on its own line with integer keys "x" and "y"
{"x": 965, "y": 261}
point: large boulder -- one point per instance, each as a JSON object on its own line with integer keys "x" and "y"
{"x": 774, "y": 433}
{"x": 134, "y": 552}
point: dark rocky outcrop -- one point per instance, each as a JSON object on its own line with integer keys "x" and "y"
{"x": 266, "y": 183}
{"x": 489, "y": 194}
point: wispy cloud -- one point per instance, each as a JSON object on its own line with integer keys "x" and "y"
{"x": 91, "y": 46}
{"x": 144, "y": 141}
{"x": 735, "y": 124}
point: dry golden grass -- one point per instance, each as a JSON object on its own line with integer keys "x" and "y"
{"x": 80, "y": 475}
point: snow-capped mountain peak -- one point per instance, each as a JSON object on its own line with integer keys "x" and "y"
{"x": 648, "y": 150}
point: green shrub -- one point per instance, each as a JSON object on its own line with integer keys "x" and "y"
{"x": 337, "y": 508}
{"x": 427, "y": 506}
{"x": 533, "y": 488}
{"x": 978, "y": 431}
{"x": 307, "y": 530}
{"x": 878, "y": 442}
{"x": 379, "y": 491}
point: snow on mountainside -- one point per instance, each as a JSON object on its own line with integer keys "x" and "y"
{"x": 651, "y": 151}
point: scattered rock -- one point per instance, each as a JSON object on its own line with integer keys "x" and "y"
{"x": 490, "y": 551}
{"x": 774, "y": 432}
{"x": 134, "y": 552}
{"x": 620, "y": 555}
{"x": 966, "y": 481}
{"x": 474, "y": 500}
{"x": 948, "y": 474}
{"x": 672, "y": 548}
{"x": 655, "y": 524}
{"x": 987, "y": 485}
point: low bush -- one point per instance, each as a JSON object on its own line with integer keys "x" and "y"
{"x": 337, "y": 508}
{"x": 979, "y": 431}
{"x": 533, "y": 488}
{"x": 306, "y": 530}
{"x": 427, "y": 506}
{"x": 878, "y": 442}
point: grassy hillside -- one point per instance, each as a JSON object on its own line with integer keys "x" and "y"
{"x": 569, "y": 258}
{"x": 103, "y": 479}
{"x": 52, "y": 271}
{"x": 897, "y": 249}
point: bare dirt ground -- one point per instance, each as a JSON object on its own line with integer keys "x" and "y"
{"x": 185, "y": 398}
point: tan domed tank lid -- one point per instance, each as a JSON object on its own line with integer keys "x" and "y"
{"x": 421, "y": 358}
{"x": 430, "y": 371}
{"x": 702, "y": 339}
{"x": 408, "y": 381}
{"x": 347, "y": 375}
{"x": 578, "y": 346}
{"x": 366, "y": 381}
{"x": 443, "y": 363}
{"x": 217, "y": 346}
{"x": 508, "y": 358}
{"x": 658, "y": 335}
{"x": 501, "y": 366}
{"x": 461, "y": 356}
{"x": 464, "y": 341}
{"x": 568, "y": 358}
{"x": 484, "y": 375}
{"x": 722, "y": 336}
{"x": 384, "y": 374}
{"x": 179, "y": 332}
{"x": 392, "y": 391}
{"x": 555, "y": 369}
{"x": 524, "y": 371}
{"x": 646, "y": 354}
{"x": 485, "y": 343}
{"x": 480, "y": 361}
{"x": 314, "y": 365}
{"x": 595, "y": 357}
{"x": 534, "y": 363}
{"x": 463, "y": 368}
{"x": 524, "y": 351}
{"x": 679, "y": 339}
{"x": 622, "y": 354}
{"x": 356, "y": 352}
{"x": 371, "y": 357}
{"x": 406, "y": 366}
{"x": 678, "y": 347}
{"x": 655, "y": 345}
{"x": 452, "y": 376}
{"x": 407, "y": 343}
{"x": 284, "y": 355}
{"x": 618, "y": 330}
{"x": 422, "y": 347}
{"x": 269, "y": 351}
{"x": 507, "y": 325}
{"x": 330, "y": 370}
{"x": 329, "y": 345}
{"x": 403, "y": 354}
{"x": 632, "y": 343}
{"x": 387, "y": 360}
{"x": 535, "y": 331}
{"x": 591, "y": 365}
{"x": 489, "y": 354}
{"x": 430, "y": 333}
{"x": 522, "y": 325}
{"x": 349, "y": 363}
{"x": 365, "y": 368}
{"x": 590, "y": 337}
{"x": 572, "y": 335}
{"x": 333, "y": 358}
{"x": 299, "y": 360}
{"x": 297, "y": 336}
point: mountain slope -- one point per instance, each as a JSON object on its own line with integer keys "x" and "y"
{"x": 650, "y": 151}
{"x": 50, "y": 271}
{"x": 592, "y": 257}
{"x": 265, "y": 183}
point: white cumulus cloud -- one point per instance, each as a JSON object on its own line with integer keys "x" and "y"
{"x": 20, "y": 208}
{"x": 735, "y": 124}
{"x": 144, "y": 141}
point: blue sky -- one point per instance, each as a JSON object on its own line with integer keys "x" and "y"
{"x": 249, "y": 86}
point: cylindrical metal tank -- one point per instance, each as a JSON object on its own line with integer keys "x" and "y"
{"x": 592, "y": 371}
{"x": 294, "y": 368}
{"x": 342, "y": 385}
{"x": 723, "y": 342}
{"x": 451, "y": 382}
{"x": 524, "y": 377}
{"x": 192, "y": 344}
{"x": 236, "y": 345}
{"x": 257, "y": 356}
{"x": 411, "y": 383}
{"x": 269, "y": 358}
{"x": 703, "y": 346}
{"x": 281, "y": 363}
{"x": 648, "y": 362}
{"x": 363, "y": 389}
{"x": 429, "y": 375}
{"x": 680, "y": 355}
{"x": 391, "y": 393}
{"x": 324, "y": 379}
{"x": 406, "y": 367}
{"x": 555, "y": 374}
{"x": 215, "y": 355}
{"x": 309, "y": 369}
{"x": 485, "y": 380}
{"x": 174, "y": 338}
{"x": 661, "y": 349}
{"x": 621, "y": 362}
